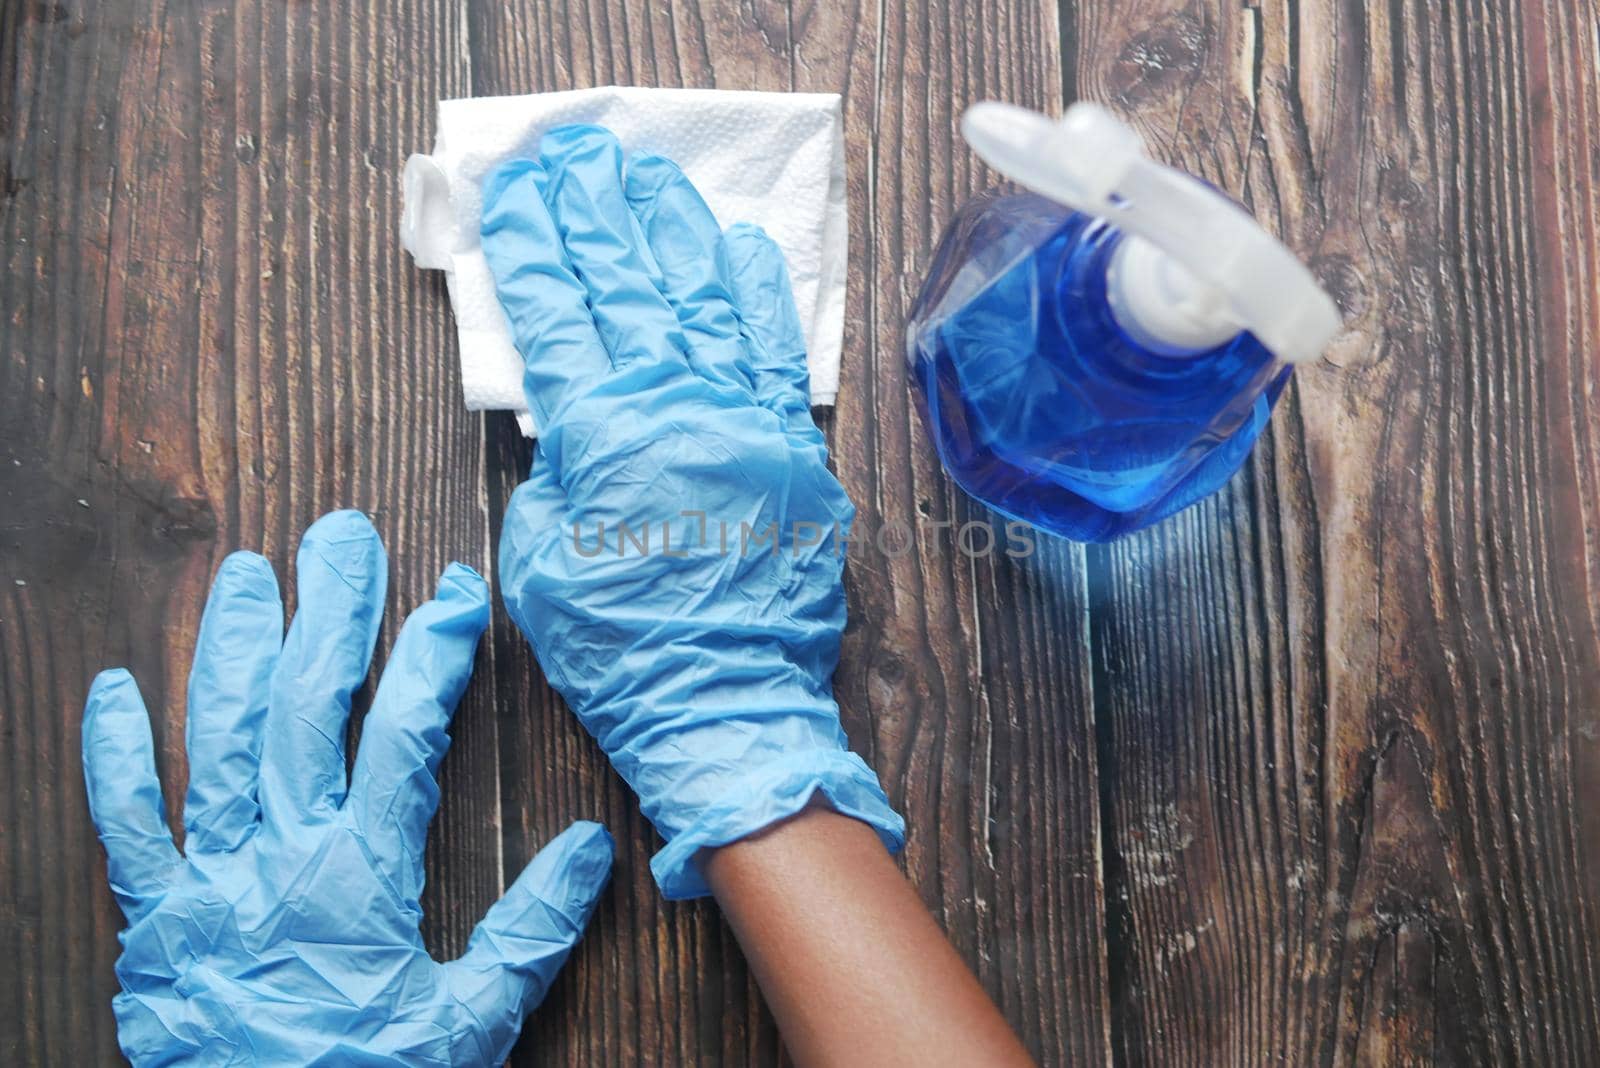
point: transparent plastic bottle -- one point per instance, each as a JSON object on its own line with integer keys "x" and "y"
{"x": 1093, "y": 376}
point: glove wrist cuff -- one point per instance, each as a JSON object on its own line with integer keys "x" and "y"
{"x": 774, "y": 793}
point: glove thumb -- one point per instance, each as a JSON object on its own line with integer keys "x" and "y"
{"x": 523, "y": 940}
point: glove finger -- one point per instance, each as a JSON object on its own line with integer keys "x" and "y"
{"x": 524, "y": 939}
{"x": 527, "y": 934}
{"x": 534, "y": 520}
{"x": 119, "y": 772}
{"x": 341, "y": 576}
{"x": 394, "y": 791}
{"x": 240, "y": 636}
{"x": 605, "y": 246}
{"x": 686, "y": 244}
{"x": 772, "y": 327}
{"x": 542, "y": 297}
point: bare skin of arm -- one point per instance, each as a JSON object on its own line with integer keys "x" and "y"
{"x": 853, "y": 966}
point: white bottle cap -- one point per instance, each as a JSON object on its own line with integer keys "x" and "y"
{"x": 1195, "y": 268}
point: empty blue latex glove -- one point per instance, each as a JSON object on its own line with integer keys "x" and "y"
{"x": 675, "y": 555}
{"x": 286, "y": 933}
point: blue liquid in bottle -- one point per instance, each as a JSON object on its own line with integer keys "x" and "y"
{"x": 1043, "y": 407}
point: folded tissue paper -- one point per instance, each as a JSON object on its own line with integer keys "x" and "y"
{"x": 772, "y": 159}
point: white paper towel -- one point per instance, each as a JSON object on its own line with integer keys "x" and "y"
{"x": 773, "y": 159}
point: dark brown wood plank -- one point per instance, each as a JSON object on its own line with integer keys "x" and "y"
{"x": 1347, "y": 706}
{"x": 976, "y": 672}
{"x": 210, "y": 337}
{"x": 965, "y": 683}
{"x": 1347, "y": 710}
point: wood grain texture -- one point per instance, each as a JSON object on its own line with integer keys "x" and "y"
{"x": 210, "y": 338}
{"x": 1348, "y": 705}
{"x": 975, "y": 673}
{"x": 1305, "y": 775}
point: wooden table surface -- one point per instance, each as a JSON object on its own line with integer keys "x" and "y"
{"x": 1309, "y": 774}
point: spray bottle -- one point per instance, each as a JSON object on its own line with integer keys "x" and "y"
{"x": 1100, "y": 352}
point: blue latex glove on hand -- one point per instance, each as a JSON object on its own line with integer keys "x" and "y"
{"x": 286, "y": 934}
{"x": 666, "y": 368}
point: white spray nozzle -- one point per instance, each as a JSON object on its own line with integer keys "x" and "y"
{"x": 1196, "y": 269}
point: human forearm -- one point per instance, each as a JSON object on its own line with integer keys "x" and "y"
{"x": 853, "y": 966}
